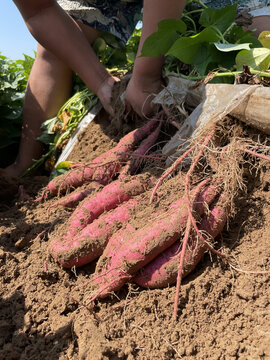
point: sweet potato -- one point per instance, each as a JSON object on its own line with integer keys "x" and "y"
{"x": 120, "y": 153}
{"x": 104, "y": 167}
{"x": 72, "y": 200}
{"x": 143, "y": 149}
{"x": 107, "y": 199}
{"x": 162, "y": 271}
{"x": 133, "y": 163}
{"x": 138, "y": 248}
{"x": 91, "y": 241}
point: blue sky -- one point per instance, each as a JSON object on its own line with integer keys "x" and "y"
{"x": 15, "y": 39}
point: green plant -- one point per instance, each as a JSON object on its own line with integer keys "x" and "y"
{"x": 212, "y": 41}
{"x": 257, "y": 58}
{"x": 57, "y": 131}
{"x": 13, "y": 80}
{"x": 116, "y": 57}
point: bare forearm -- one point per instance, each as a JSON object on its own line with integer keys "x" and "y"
{"x": 153, "y": 12}
{"x": 58, "y": 33}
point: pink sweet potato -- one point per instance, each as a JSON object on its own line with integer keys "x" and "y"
{"x": 143, "y": 149}
{"x": 72, "y": 200}
{"x": 120, "y": 153}
{"x": 162, "y": 271}
{"x": 107, "y": 199}
{"x": 133, "y": 163}
{"x": 140, "y": 247}
{"x": 104, "y": 167}
{"x": 91, "y": 241}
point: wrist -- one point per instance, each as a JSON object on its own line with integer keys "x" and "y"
{"x": 104, "y": 93}
{"x": 148, "y": 68}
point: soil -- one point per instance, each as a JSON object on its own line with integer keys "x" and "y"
{"x": 224, "y": 313}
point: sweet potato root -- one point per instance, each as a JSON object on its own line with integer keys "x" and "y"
{"x": 91, "y": 241}
{"x": 162, "y": 271}
{"x": 138, "y": 248}
{"x": 73, "y": 199}
{"x": 134, "y": 161}
{"x": 143, "y": 149}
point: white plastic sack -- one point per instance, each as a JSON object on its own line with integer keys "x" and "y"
{"x": 248, "y": 103}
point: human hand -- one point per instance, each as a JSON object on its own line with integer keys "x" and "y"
{"x": 140, "y": 93}
{"x": 104, "y": 93}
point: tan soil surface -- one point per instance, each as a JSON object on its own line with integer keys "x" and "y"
{"x": 223, "y": 313}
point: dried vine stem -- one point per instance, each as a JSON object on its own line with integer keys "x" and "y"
{"x": 189, "y": 205}
{"x": 265, "y": 157}
{"x": 183, "y": 250}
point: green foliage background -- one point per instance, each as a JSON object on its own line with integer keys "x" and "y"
{"x": 13, "y": 80}
{"x": 209, "y": 41}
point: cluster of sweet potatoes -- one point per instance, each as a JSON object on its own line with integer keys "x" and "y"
{"x": 100, "y": 226}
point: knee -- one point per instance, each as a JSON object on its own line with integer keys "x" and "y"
{"x": 261, "y": 23}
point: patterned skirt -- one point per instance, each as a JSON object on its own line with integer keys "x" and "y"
{"x": 116, "y": 17}
{"x": 119, "y": 17}
{"x": 254, "y": 7}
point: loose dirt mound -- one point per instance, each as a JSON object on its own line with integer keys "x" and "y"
{"x": 223, "y": 313}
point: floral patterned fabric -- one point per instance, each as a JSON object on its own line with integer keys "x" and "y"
{"x": 250, "y": 5}
{"x": 117, "y": 17}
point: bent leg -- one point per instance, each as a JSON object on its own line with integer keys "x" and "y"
{"x": 48, "y": 88}
{"x": 260, "y": 23}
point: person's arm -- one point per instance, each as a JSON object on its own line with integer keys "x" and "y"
{"x": 58, "y": 33}
{"x": 147, "y": 72}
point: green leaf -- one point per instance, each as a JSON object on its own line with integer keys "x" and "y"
{"x": 253, "y": 42}
{"x": 27, "y": 64}
{"x": 221, "y": 18}
{"x": 258, "y": 58}
{"x": 58, "y": 172}
{"x": 172, "y": 25}
{"x": 231, "y": 47}
{"x": 99, "y": 45}
{"x": 238, "y": 36}
{"x": 213, "y": 59}
{"x": 202, "y": 62}
{"x": 117, "y": 58}
{"x": 14, "y": 113}
{"x": 63, "y": 165}
{"x": 49, "y": 124}
{"x": 160, "y": 41}
{"x": 46, "y": 138}
{"x": 111, "y": 40}
{"x": 264, "y": 38}
{"x": 188, "y": 49}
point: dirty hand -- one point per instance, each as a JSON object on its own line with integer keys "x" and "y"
{"x": 140, "y": 93}
{"x": 104, "y": 93}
